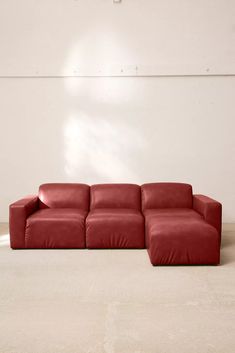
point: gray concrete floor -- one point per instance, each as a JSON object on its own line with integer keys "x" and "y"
{"x": 114, "y": 301}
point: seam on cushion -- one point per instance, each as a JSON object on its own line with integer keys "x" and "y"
{"x": 142, "y": 199}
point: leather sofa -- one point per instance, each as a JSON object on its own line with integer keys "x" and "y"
{"x": 176, "y": 227}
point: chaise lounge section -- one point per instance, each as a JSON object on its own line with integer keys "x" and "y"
{"x": 181, "y": 229}
{"x": 176, "y": 227}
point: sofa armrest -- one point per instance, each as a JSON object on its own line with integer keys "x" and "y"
{"x": 19, "y": 211}
{"x": 210, "y": 209}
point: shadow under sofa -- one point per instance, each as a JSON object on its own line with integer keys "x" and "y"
{"x": 176, "y": 227}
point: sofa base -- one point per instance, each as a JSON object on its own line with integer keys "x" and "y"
{"x": 160, "y": 262}
{"x": 185, "y": 249}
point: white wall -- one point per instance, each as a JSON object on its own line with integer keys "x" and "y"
{"x": 117, "y": 129}
{"x": 93, "y": 37}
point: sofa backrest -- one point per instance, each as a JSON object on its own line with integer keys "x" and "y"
{"x": 166, "y": 195}
{"x": 115, "y": 196}
{"x": 69, "y": 195}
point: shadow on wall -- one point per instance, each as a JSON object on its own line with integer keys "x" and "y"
{"x": 142, "y": 130}
{"x": 101, "y": 148}
{"x": 105, "y": 137}
{"x": 114, "y": 134}
{"x": 101, "y": 142}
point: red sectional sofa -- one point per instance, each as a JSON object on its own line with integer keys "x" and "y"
{"x": 176, "y": 227}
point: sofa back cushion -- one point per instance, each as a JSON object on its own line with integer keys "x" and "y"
{"x": 59, "y": 195}
{"x": 166, "y": 195}
{"x": 115, "y": 196}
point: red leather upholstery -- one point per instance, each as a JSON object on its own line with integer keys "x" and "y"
{"x": 115, "y": 220}
{"x": 179, "y": 228}
{"x": 18, "y": 213}
{"x": 166, "y": 195}
{"x": 56, "y": 228}
{"x": 60, "y": 221}
{"x": 177, "y": 213}
{"x": 115, "y": 228}
{"x": 115, "y": 196}
{"x": 59, "y": 195}
{"x": 177, "y": 234}
{"x": 173, "y": 238}
{"x": 210, "y": 209}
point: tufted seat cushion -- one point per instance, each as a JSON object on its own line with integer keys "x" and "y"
{"x": 115, "y": 228}
{"x": 56, "y": 228}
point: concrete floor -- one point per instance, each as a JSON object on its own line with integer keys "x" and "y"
{"x": 114, "y": 301}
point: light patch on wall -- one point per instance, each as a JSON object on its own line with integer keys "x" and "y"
{"x": 72, "y": 85}
{"x": 99, "y": 147}
{"x": 98, "y": 52}
{"x": 111, "y": 90}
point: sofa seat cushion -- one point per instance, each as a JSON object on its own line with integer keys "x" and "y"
{"x": 56, "y": 228}
{"x": 180, "y": 237}
{"x": 115, "y": 228}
